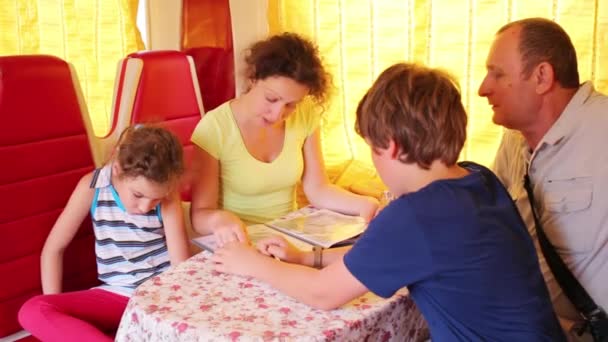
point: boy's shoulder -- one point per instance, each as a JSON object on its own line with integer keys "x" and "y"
{"x": 487, "y": 176}
{"x": 472, "y": 166}
{"x": 398, "y": 210}
{"x": 453, "y": 197}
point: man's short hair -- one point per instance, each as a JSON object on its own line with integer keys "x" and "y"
{"x": 417, "y": 107}
{"x": 543, "y": 40}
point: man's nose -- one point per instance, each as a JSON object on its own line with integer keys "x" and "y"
{"x": 484, "y": 88}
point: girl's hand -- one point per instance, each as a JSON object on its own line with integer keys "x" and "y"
{"x": 230, "y": 231}
{"x": 276, "y": 246}
{"x": 237, "y": 258}
{"x": 369, "y": 209}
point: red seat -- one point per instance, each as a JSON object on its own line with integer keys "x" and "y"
{"x": 158, "y": 87}
{"x": 215, "y": 72}
{"x": 44, "y": 151}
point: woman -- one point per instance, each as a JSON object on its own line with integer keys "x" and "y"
{"x": 254, "y": 149}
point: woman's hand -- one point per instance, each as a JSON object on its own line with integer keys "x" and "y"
{"x": 231, "y": 229}
{"x": 369, "y": 208}
{"x": 280, "y": 248}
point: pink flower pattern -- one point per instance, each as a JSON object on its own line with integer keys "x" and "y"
{"x": 192, "y": 302}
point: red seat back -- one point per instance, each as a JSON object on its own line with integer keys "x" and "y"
{"x": 44, "y": 151}
{"x": 159, "y": 87}
{"x": 215, "y": 72}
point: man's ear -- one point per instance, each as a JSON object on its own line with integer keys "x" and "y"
{"x": 544, "y": 76}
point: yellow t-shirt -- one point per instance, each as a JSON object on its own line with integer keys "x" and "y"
{"x": 256, "y": 191}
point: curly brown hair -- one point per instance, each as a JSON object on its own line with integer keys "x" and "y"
{"x": 417, "y": 107}
{"x": 152, "y": 152}
{"x": 292, "y": 56}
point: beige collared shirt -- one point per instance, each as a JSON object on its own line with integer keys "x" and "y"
{"x": 569, "y": 173}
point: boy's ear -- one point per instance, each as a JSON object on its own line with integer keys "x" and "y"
{"x": 393, "y": 149}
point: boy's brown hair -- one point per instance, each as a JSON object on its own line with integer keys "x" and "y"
{"x": 417, "y": 107}
{"x": 152, "y": 152}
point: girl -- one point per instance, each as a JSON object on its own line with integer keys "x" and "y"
{"x": 139, "y": 232}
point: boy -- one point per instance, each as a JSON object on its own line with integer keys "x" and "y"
{"x": 452, "y": 235}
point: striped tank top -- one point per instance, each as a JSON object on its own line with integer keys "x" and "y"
{"x": 130, "y": 249}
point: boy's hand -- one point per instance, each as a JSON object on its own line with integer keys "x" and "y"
{"x": 276, "y": 246}
{"x": 369, "y": 209}
{"x": 236, "y": 258}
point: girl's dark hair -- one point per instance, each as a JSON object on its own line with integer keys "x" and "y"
{"x": 292, "y": 56}
{"x": 150, "y": 151}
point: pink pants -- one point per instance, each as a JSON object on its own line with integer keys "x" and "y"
{"x": 89, "y": 315}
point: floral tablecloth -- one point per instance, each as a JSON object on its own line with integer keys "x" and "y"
{"x": 192, "y": 302}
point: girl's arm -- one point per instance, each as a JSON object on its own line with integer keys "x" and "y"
{"x": 62, "y": 233}
{"x": 206, "y": 217}
{"x": 175, "y": 230}
{"x": 323, "y": 194}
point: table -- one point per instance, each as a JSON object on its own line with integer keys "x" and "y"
{"x": 192, "y": 302}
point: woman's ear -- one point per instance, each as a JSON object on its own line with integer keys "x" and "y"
{"x": 249, "y": 85}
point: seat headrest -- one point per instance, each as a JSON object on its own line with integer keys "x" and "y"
{"x": 37, "y": 84}
{"x": 166, "y": 87}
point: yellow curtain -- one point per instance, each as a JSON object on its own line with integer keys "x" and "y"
{"x": 91, "y": 34}
{"x": 360, "y": 38}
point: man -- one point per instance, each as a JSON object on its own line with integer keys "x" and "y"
{"x": 558, "y": 133}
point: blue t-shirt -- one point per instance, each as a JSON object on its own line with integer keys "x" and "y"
{"x": 466, "y": 257}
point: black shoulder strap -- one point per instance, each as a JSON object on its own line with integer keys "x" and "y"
{"x": 571, "y": 287}
{"x": 94, "y": 179}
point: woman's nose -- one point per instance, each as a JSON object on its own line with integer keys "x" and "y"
{"x": 277, "y": 112}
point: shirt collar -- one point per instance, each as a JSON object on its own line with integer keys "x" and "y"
{"x": 566, "y": 122}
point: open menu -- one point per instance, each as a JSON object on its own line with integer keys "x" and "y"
{"x": 322, "y": 227}
{"x": 304, "y": 228}
{"x": 255, "y": 232}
